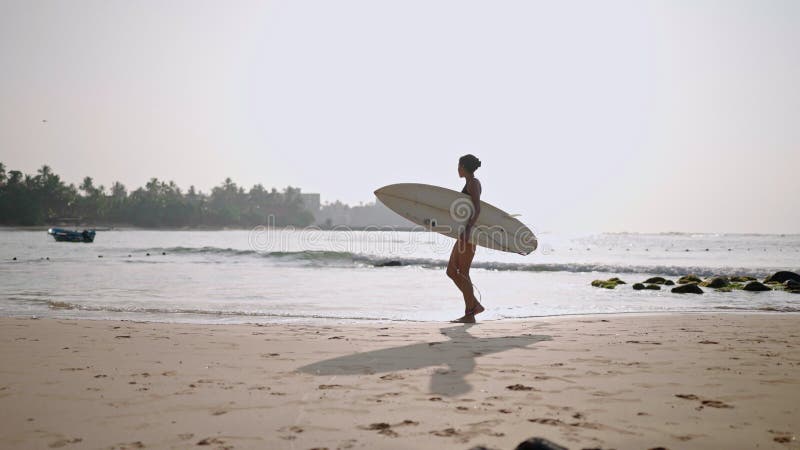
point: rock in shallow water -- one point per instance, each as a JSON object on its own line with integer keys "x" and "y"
{"x": 782, "y": 277}
{"x": 638, "y": 286}
{"x": 742, "y": 279}
{"x": 687, "y": 289}
{"x": 610, "y": 283}
{"x": 755, "y": 286}
{"x": 655, "y": 280}
{"x": 689, "y": 279}
{"x": 715, "y": 283}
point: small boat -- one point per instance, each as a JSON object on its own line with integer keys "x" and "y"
{"x": 62, "y": 235}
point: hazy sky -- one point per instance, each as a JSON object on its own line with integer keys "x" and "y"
{"x": 588, "y": 115}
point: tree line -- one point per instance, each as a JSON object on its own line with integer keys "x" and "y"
{"x": 44, "y": 198}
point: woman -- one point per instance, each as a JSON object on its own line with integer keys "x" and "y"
{"x": 463, "y": 249}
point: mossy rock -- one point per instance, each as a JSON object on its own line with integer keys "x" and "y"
{"x": 655, "y": 280}
{"x": 689, "y": 279}
{"x": 617, "y": 280}
{"x": 638, "y": 286}
{"x": 689, "y": 288}
{"x": 606, "y": 284}
{"x": 755, "y": 286}
{"x": 715, "y": 283}
{"x": 724, "y": 289}
{"x": 653, "y": 287}
{"x": 741, "y": 279}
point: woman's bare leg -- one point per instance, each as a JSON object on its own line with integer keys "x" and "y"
{"x": 464, "y": 264}
{"x": 453, "y": 271}
{"x": 458, "y": 270}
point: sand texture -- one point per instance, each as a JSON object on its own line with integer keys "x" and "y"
{"x": 675, "y": 381}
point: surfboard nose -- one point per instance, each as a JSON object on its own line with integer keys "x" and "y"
{"x": 380, "y": 191}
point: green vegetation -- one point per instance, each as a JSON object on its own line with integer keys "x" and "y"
{"x": 44, "y": 198}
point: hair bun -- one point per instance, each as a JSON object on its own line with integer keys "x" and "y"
{"x": 469, "y": 162}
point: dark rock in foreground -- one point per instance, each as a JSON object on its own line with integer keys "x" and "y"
{"x": 669, "y": 283}
{"x": 782, "y": 277}
{"x": 653, "y": 287}
{"x": 689, "y": 279}
{"x": 755, "y": 286}
{"x": 690, "y": 288}
{"x": 638, "y": 286}
{"x": 539, "y": 444}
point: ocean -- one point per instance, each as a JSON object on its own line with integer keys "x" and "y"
{"x": 312, "y": 276}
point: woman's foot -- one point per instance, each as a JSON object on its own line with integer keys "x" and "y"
{"x": 477, "y": 309}
{"x": 469, "y": 314}
{"x": 467, "y": 318}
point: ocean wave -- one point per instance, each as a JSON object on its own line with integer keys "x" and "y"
{"x": 61, "y": 305}
{"x": 348, "y": 259}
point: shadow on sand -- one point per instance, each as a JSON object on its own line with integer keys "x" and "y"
{"x": 458, "y": 354}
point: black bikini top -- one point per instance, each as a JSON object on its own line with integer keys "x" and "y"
{"x": 464, "y": 189}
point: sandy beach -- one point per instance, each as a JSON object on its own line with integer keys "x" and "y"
{"x": 676, "y": 381}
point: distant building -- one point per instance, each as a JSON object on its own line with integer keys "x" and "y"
{"x": 364, "y": 215}
{"x": 311, "y": 202}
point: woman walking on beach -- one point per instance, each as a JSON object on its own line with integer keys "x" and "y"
{"x": 464, "y": 250}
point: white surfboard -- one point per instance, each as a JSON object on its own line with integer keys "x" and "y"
{"x": 446, "y": 211}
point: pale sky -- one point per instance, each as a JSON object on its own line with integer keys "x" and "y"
{"x": 588, "y": 115}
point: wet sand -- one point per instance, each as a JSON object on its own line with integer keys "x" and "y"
{"x": 676, "y": 381}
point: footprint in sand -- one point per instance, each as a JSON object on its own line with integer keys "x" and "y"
{"x": 392, "y": 376}
{"x": 63, "y": 442}
{"x": 210, "y": 441}
{"x": 704, "y": 402}
{"x": 520, "y": 387}
{"x": 132, "y": 445}
{"x": 447, "y": 432}
{"x": 386, "y": 429}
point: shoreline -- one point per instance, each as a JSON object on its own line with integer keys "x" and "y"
{"x": 675, "y": 380}
{"x": 344, "y": 321}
